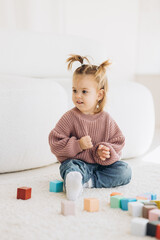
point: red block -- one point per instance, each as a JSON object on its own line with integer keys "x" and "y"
{"x": 158, "y": 231}
{"x": 24, "y": 193}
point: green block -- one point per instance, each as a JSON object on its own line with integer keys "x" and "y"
{"x": 115, "y": 201}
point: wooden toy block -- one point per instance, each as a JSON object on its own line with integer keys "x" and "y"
{"x": 115, "y": 201}
{"x": 139, "y": 226}
{"x": 67, "y": 208}
{"x": 149, "y": 196}
{"x": 141, "y": 198}
{"x": 125, "y": 201}
{"x": 158, "y": 231}
{"x": 91, "y": 204}
{"x": 135, "y": 209}
{"x": 150, "y": 203}
{"x": 146, "y": 209}
{"x": 143, "y": 201}
{"x": 24, "y": 193}
{"x": 157, "y": 202}
{"x": 152, "y": 228}
{"x": 115, "y": 193}
{"x": 154, "y": 215}
{"x": 56, "y": 186}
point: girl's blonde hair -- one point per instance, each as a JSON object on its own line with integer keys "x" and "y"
{"x": 98, "y": 72}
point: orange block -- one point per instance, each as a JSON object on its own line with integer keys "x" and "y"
{"x": 141, "y": 198}
{"x": 158, "y": 231}
{"x": 115, "y": 193}
{"x": 91, "y": 204}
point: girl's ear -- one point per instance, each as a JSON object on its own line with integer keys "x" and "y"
{"x": 100, "y": 94}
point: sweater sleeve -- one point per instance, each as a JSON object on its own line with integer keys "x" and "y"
{"x": 115, "y": 143}
{"x": 62, "y": 144}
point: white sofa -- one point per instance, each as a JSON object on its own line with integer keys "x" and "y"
{"x": 35, "y": 90}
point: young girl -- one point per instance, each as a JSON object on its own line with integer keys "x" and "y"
{"x": 86, "y": 140}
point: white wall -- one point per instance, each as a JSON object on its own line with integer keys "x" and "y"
{"x": 113, "y": 23}
{"x": 148, "y": 50}
{"x": 148, "y": 47}
{"x": 129, "y": 30}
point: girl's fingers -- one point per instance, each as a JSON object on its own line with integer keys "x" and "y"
{"x": 107, "y": 152}
{"x": 100, "y": 147}
{"x": 106, "y": 156}
{"x": 105, "y": 148}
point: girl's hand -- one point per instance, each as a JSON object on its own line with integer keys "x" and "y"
{"x": 103, "y": 152}
{"x": 85, "y": 142}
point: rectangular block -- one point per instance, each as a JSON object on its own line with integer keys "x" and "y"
{"x": 150, "y": 203}
{"x": 124, "y": 203}
{"x": 141, "y": 198}
{"x": 139, "y": 226}
{"x": 115, "y": 201}
{"x": 115, "y": 193}
{"x": 135, "y": 209}
{"x": 144, "y": 201}
{"x": 146, "y": 209}
{"x": 68, "y": 208}
{"x": 158, "y": 231}
{"x": 157, "y": 202}
{"x": 154, "y": 215}
{"x": 152, "y": 228}
{"x": 24, "y": 193}
{"x": 148, "y": 195}
{"x": 91, "y": 204}
{"x": 56, "y": 186}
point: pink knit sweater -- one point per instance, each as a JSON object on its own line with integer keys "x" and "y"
{"x": 64, "y": 138}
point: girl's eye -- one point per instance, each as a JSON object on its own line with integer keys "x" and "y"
{"x": 84, "y": 91}
{"x": 74, "y": 91}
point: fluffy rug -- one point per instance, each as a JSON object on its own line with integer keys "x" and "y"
{"x": 40, "y": 217}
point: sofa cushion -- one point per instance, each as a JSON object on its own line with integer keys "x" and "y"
{"x": 30, "y": 108}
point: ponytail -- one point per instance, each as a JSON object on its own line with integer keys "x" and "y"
{"x": 74, "y": 58}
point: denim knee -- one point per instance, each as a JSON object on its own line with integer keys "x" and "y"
{"x": 125, "y": 173}
{"x": 67, "y": 166}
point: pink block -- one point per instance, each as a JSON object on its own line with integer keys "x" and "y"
{"x": 154, "y": 215}
{"x": 67, "y": 208}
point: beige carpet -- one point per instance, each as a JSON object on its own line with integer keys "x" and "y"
{"x": 39, "y": 218}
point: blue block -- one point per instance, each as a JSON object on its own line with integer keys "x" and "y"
{"x": 153, "y": 196}
{"x": 56, "y": 186}
{"x": 125, "y": 201}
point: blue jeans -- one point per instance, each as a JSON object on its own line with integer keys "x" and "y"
{"x": 116, "y": 174}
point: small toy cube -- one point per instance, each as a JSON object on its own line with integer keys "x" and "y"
{"x": 115, "y": 201}
{"x": 139, "y": 226}
{"x": 24, "y": 193}
{"x": 141, "y": 198}
{"x": 154, "y": 215}
{"x": 146, "y": 209}
{"x": 125, "y": 201}
{"x": 158, "y": 231}
{"x": 91, "y": 204}
{"x": 157, "y": 202}
{"x": 67, "y": 207}
{"x": 149, "y": 196}
{"x": 135, "y": 209}
{"x": 115, "y": 193}
{"x": 152, "y": 228}
{"x": 144, "y": 201}
{"x": 150, "y": 203}
{"x": 56, "y": 186}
